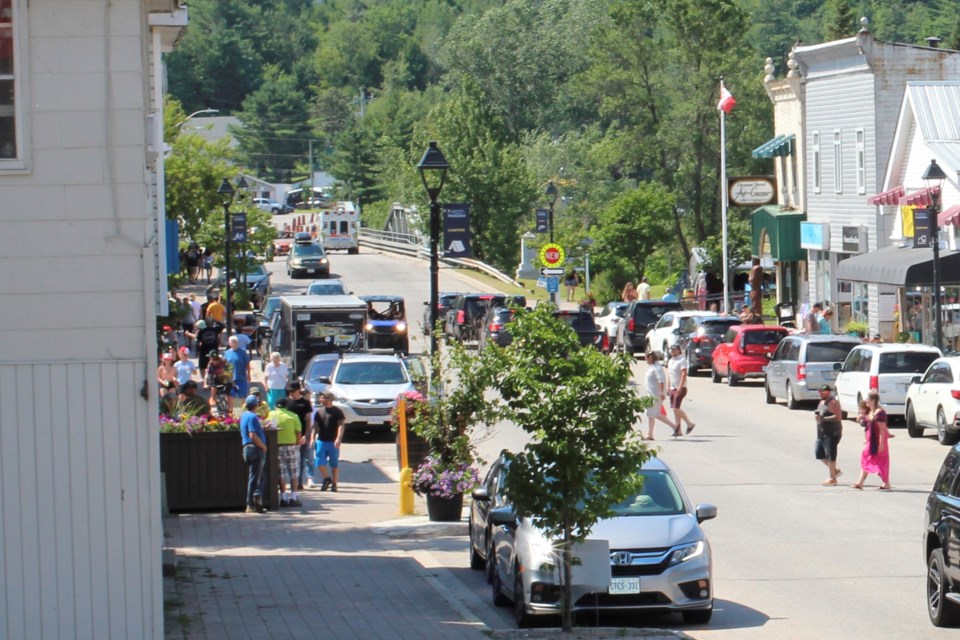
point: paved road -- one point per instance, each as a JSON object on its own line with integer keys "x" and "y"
{"x": 792, "y": 559}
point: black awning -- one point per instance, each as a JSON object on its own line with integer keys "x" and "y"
{"x": 900, "y": 266}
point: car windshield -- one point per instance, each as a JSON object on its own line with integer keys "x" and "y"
{"x": 645, "y": 314}
{"x": 829, "y": 351}
{"x": 579, "y": 321}
{"x": 371, "y": 373}
{"x": 659, "y": 496}
{"x": 320, "y": 368}
{"x": 906, "y": 361}
{"x": 385, "y": 309}
{"x": 718, "y": 327}
{"x": 762, "y": 337}
{"x": 308, "y": 250}
{"x": 270, "y": 307}
{"x": 326, "y": 289}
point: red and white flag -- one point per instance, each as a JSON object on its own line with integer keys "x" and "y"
{"x": 727, "y": 103}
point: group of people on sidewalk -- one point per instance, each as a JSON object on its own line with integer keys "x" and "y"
{"x": 670, "y": 386}
{"x": 875, "y": 457}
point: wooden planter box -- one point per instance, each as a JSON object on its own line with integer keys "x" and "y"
{"x": 206, "y": 472}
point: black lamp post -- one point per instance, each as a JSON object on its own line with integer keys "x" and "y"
{"x": 933, "y": 178}
{"x": 551, "y": 195}
{"x": 227, "y": 194}
{"x": 433, "y": 171}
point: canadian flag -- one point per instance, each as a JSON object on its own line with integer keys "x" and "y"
{"x": 727, "y": 103}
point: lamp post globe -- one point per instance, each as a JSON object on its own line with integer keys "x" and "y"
{"x": 933, "y": 178}
{"x": 433, "y": 172}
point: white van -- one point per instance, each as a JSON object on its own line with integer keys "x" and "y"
{"x": 340, "y": 228}
{"x": 888, "y": 368}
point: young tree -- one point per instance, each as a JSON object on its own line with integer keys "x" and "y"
{"x": 579, "y": 408}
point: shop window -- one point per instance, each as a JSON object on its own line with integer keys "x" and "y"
{"x": 12, "y": 30}
{"x": 816, "y": 161}
{"x": 861, "y": 163}
{"x": 837, "y": 163}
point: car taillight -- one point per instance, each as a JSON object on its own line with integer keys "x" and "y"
{"x": 605, "y": 342}
{"x": 631, "y": 324}
{"x": 801, "y": 372}
{"x": 461, "y": 316}
{"x": 493, "y": 326}
{"x": 955, "y": 394}
{"x": 704, "y": 339}
{"x": 875, "y": 383}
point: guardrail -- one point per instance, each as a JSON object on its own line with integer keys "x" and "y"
{"x": 412, "y": 245}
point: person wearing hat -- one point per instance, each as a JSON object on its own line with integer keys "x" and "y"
{"x": 208, "y": 339}
{"x": 254, "y": 453}
{"x": 829, "y": 432}
{"x": 677, "y": 388}
{"x": 218, "y": 375}
{"x": 167, "y": 374}
{"x": 327, "y": 434}
{"x": 191, "y": 403}
{"x": 288, "y": 441}
{"x": 184, "y": 366}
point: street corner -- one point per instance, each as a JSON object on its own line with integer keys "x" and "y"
{"x": 418, "y": 526}
{"x": 589, "y": 633}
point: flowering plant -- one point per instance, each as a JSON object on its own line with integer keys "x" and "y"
{"x": 435, "y": 478}
{"x": 417, "y": 406}
{"x": 185, "y": 423}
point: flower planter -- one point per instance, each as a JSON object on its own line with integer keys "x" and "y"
{"x": 417, "y": 450}
{"x": 441, "y": 509}
{"x": 206, "y": 472}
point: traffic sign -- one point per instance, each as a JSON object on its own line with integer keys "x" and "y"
{"x": 551, "y": 271}
{"x": 551, "y": 255}
{"x": 553, "y": 284}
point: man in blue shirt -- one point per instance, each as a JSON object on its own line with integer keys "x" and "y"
{"x": 240, "y": 361}
{"x": 254, "y": 454}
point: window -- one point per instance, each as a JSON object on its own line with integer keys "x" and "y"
{"x": 828, "y": 351}
{"x": 816, "y": 161}
{"x": 837, "y": 163}
{"x": 861, "y": 163}
{"x": 10, "y": 91}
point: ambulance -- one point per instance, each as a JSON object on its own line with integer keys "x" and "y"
{"x": 340, "y": 228}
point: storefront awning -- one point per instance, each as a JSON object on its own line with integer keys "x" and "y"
{"x": 888, "y": 198}
{"x": 900, "y": 266}
{"x": 920, "y": 198}
{"x": 782, "y": 230}
{"x": 775, "y": 147}
{"x": 949, "y": 216}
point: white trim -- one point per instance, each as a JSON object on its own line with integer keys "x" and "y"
{"x": 837, "y": 161}
{"x": 861, "y": 138}
{"x": 817, "y": 162}
{"x": 21, "y": 93}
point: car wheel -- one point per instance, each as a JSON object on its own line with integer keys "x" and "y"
{"x": 766, "y": 388}
{"x": 791, "y": 399}
{"x": 731, "y": 379}
{"x": 943, "y": 612}
{"x": 691, "y": 368}
{"x": 944, "y": 435}
{"x": 275, "y": 211}
{"x": 700, "y": 616}
{"x": 476, "y": 560}
{"x": 499, "y": 599}
{"x": 666, "y": 348}
{"x": 914, "y": 429}
{"x": 520, "y": 615}
{"x": 714, "y": 374}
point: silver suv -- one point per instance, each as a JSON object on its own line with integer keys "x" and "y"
{"x": 801, "y": 364}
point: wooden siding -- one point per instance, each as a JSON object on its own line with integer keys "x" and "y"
{"x": 79, "y": 483}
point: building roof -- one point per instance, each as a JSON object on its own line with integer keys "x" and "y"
{"x": 936, "y": 110}
{"x": 213, "y": 128}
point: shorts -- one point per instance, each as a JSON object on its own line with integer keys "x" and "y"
{"x": 326, "y": 451}
{"x": 830, "y": 442}
{"x": 241, "y": 389}
{"x": 676, "y": 397}
{"x": 289, "y": 459}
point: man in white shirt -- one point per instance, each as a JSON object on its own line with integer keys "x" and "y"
{"x": 656, "y": 387}
{"x": 677, "y": 387}
{"x": 643, "y": 289}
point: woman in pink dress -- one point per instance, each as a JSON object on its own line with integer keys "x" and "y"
{"x": 876, "y": 454}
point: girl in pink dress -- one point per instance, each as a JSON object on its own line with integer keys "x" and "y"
{"x": 876, "y": 454}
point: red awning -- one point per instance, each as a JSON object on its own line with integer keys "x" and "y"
{"x": 886, "y": 198}
{"x": 920, "y": 198}
{"x": 950, "y": 216}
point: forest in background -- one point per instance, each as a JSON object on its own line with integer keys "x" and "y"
{"x": 613, "y": 100}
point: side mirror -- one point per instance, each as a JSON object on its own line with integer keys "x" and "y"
{"x": 651, "y": 325}
{"x": 676, "y": 331}
{"x": 504, "y": 516}
{"x": 915, "y": 380}
{"x": 706, "y": 512}
{"x": 768, "y": 355}
{"x": 837, "y": 366}
{"x": 426, "y": 303}
{"x": 324, "y": 379}
{"x": 481, "y": 495}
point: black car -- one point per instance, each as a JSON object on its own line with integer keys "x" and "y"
{"x": 640, "y": 317}
{"x": 386, "y": 323}
{"x": 586, "y": 327}
{"x": 942, "y": 544}
{"x": 264, "y": 317}
{"x": 699, "y": 335}
{"x": 479, "y": 527}
{"x": 467, "y": 312}
{"x": 307, "y": 258}
{"x": 444, "y": 300}
{"x": 494, "y": 329}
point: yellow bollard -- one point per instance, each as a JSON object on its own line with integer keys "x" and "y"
{"x": 406, "y": 474}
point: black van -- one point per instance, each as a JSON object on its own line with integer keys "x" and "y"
{"x": 638, "y": 319}
{"x": 941, "y": 532}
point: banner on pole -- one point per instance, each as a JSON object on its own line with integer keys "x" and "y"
{"x": 238, "y": 226}
{"x": 456, "y": 230}
{"x": 543, "y": 220}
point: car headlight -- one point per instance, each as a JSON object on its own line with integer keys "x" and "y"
{"x": 295, "y": 262}
{"x": 542, "y": 552}
{"x": 686, "y": 552}
{"x": 401, "y": 327}
{"x": 368, "y": 326}
{"x": 323, "y": 261}
{"x": 341, "y": 399}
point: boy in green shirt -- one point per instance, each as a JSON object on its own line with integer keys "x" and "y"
{"x": 289, "y": 440}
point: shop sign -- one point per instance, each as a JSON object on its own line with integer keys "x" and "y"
{"x": 922, "y": 229}
{"x": 752, "y": 191}
{"x": 815, "y": 236}
{"x": 853, "y": 239}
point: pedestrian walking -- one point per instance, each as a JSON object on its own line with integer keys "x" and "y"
{"x": 677, "y": 387}
{"x": 301, "y": 406}
{"x": 811, "y": 322}
{"x": 254, "y": 454}
{"x": 327, "y": 435}
{"x": 656, "y": 387}
{"x": 277, "y": 376}
{"x": 208, "y": 341}
{"x": 643, "y": 289}
{"x": 193, "y": 262}
{"x": 288, "y": 441}
{"x": 215, "y": 311}
{"x": 184, "y": 367}
{"x": 629, "y": 294}
{"x": 826, "y": 328}
{"x": 238, "y": 359}
{"x": 208, "y": 263}
{"x": 829, "y": 432}
{"x": 571, "y": 281}
{"x": 875, "y": 457}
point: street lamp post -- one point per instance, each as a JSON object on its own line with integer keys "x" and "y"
{"x": 227, "y": 193}
{"x": 933, "y": 178}
{"x": 195, "y": 113}
{"x": 433, "y": 171}
{"x": 551, "y": 195}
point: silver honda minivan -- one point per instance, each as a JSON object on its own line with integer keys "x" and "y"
{"x": 802, "y": 363}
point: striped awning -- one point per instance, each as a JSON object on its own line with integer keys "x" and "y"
{"x": 775, "y": 147}
{"x": 887, "y": 198}
{"x": 949, "y": 216}
{"x": 921, "y": 198}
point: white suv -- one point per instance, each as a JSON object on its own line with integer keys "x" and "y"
{"x": 666, "y": 333}
{"x": 888, "y": 368}
{"x": 365, "y": 388}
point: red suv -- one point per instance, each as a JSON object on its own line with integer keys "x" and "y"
{"x": 743, "y": 352}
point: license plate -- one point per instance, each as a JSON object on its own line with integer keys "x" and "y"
{"x": 624, "y": 586}
{"x": 830, "y": 375}
{"x": 311, "y": 270}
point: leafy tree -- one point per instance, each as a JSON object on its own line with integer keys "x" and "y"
{"x": 579, "y": 409}
{"x": 633, "y": 226}
{"x": 260, "y": 233}
{"x": 839, "y": 17}
{"x": 354, "y": 162}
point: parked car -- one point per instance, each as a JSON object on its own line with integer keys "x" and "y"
{"x": 698, "y": 337}
{"x": 668, "y": 329}
{"x": 444, "y": 300}
{"x": 274, "y": 207}
{"x": 802, "y": 364}
{"x": 583, "y": 324}
{"x": 941, "y": 533}
{"x": 257, "y": 278}
{"x": 609, "y": 319}
{"x": 334, "y": 287}
{"x": 743, "y": 352}
{"x": 307, "y": 257}
{"x": 263, "y": 318}
{"x": 888, "y": 368}
{"x": 319, "y": 368}
{"x": 386, "y": 323}
{"x": 660, "y": 559}
{"x": 933, "y": 401}
{"x": 494, "y": 329}
{"x": 365, "y": 388}
{"x": 486, "y": 497}
{"x": 638, "y": 319}
{"x": 467, "y": 312}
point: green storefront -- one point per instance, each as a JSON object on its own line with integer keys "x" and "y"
{"x": 776, "y": 234}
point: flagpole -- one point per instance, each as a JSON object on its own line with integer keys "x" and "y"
{"x": 723, "y": 205}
